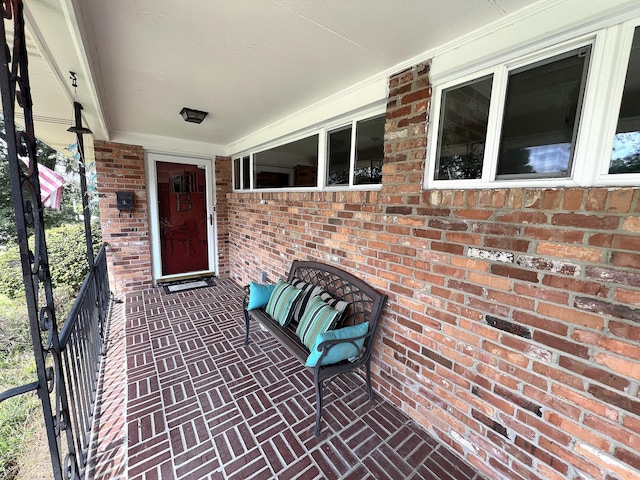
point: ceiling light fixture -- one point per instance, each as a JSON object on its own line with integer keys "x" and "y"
{"x": 193, "y": 116}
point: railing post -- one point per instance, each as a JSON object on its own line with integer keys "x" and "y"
{"x": 25, "y": 192}
{"x": 80, "y": 131}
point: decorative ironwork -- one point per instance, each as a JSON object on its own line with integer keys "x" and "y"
{"x": 67, "y": 363}
{"x": 25, "y": 191}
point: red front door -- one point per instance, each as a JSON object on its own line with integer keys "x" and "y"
{"x": 182, "y": 210}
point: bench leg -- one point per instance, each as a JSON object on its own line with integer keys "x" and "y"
{"x": 319, "y": 391}
{"x": 369, "y": 387}
{"x": 246, "y": 327}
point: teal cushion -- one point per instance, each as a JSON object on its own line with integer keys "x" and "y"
{"x": 340, "y": 351}
{"x": 317, "y": 318}
{"x": 259, "y": 294}
{"x": 281, "y": 302}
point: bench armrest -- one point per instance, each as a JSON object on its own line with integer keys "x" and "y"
{"x": 330, "y": 343}
{"x": 327, "y": 345}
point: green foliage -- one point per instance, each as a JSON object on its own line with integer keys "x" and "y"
{"x": 19, "y": 415}
{"x": 457, "y": 166}
{"x": 11, "y": 283}
{"x": 67, "y": 259}
{"x": 70, "y": 206}
{"x": 629, "y": 164}
{"x": 14, "y": 326}
{"x": 14, "y": 320}
{"x": 67, "y": 255}
{"x": 16, "y": 414}
{"x": 7, "y": 215}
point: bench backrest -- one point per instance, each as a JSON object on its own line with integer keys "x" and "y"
{"x": 365, "y": 302}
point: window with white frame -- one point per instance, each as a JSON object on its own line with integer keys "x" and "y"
{"x": 537, "y": 107}
{"x": 625, "y": 155}
{"x": 293, "y": 164}
{"x": 462, "y": 136}
{"x": 549, "y": 120}
{"x": 347, "y": 156}
{"x": 241, "y": 173}
{"x": 339, "y": 155}
{"x": 356, "y": 159}
{"x": 541, "y": 117}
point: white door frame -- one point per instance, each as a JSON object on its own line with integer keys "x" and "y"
{"x": 154, "y": 218}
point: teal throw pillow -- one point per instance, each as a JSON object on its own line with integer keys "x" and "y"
{"x": 281, "y": 302}
{"x": 340, "y": 351}
{"x": 259, "y": 294}
{"x": 317, "y": 318}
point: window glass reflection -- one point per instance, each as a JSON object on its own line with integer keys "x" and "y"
{"x": 625, "y": 156}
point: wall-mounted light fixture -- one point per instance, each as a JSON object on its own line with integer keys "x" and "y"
{"x": 193, "y": 116}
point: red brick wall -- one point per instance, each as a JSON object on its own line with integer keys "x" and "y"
{"x": 513, "y": 327}
{"x": 121, "y": 168}
{"x": 268, "y": 230}
{"x": 224, "y": 185}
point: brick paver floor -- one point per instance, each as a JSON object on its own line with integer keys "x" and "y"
{"x": 201, "y": 405}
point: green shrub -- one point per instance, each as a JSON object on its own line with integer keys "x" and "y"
{"x": 67, "y": 255}
{"x": 67, "y": 260}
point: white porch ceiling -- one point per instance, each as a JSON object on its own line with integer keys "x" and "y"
{"x": 249, "y": 63}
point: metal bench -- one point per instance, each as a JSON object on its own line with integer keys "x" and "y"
{"x": 365, "y": 304}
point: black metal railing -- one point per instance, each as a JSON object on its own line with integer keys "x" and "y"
{"x": 66, "y": 361}
{"x": 81, "y": 341}
{"x": 81, "y": 346}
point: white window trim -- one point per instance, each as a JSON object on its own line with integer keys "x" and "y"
{"x": 353, "y": 125}
{"x": 233, "y": 173}
{"x": 328, "y": 132}
{"x": 618, "y": 48}
{"x": 610, "y": 49}
{"x": 352, "y": 152}
{"x": 240, "y": 180}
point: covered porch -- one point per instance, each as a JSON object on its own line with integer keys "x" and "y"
{"x": 511, "y": 262}
{"x": 183, "y": 398}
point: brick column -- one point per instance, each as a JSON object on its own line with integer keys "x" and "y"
{"x": 223, "y": 166}
{"x": 405, "y": 139}
{"x": 121, "y": 168}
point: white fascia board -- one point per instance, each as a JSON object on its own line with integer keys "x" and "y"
{"x": 84, "y": 44}
{"x": 54, "y": 28}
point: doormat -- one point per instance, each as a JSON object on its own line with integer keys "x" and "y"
{"x": 185, "y": 285}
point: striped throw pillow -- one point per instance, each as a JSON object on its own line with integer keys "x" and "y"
{"x": 317, "y": 318}
{"x": 281, "y": 302}
{"x": 339, "y": 305}
{"x": 308, "y": 292}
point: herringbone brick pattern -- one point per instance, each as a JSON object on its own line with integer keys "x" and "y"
{"x": 201, "y": 405}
